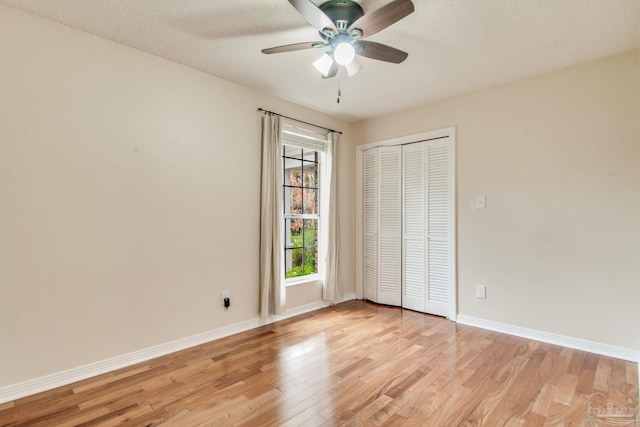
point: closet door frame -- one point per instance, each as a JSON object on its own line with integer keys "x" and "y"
{"x": 450, "y": 134}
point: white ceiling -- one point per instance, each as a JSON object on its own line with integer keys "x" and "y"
{"x": 455, "y": 46}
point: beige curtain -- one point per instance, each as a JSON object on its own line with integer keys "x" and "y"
{"x": 272, "y": 292}
{"x": 332, "y": 288}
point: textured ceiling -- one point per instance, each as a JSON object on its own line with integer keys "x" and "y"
{"x": 455, "y": 46}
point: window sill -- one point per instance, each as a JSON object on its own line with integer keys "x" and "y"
{"x": 303, "y": 280}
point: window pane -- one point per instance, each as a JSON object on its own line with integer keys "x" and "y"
{"x": 294, "y": 176}
{"x": 293, "y": 200}
{"x": 310, "y": 261}
{"x": 293, "y": 263}
{"x": 310, "y": 231}
{"x": 309, "y": 201}
{"x": 310, "y": 156}
{"x": 310, "y": 175}
{"x": 293, "y": 232}
{"x": 294, "y": 152}
{"x": 288, "y": 178}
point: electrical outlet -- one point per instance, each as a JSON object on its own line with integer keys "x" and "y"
{"x": 225, "y": 295}
{"x": 481, "y": 291}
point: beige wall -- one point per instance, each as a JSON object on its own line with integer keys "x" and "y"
{"x": 129, "y": 199}
{"x": 558, "y": 158}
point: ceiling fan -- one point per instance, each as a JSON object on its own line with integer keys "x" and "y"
{"x": 342, "y": 24}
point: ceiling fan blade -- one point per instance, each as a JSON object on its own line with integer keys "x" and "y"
{"x": 332, "y": 71}
{"x": 314, "y": 15}
{"x": 292, "y": 47}
{"x": 381, "y": 18}
{"x": 380, "y": 51}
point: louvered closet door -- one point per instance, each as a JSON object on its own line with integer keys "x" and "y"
{"x": 370, "y": 224}
{"x": 390, "y": 225}
{"x": 426, "y": 204}
{"x": 414, "y": 228}
{"x": 439, "y": 227}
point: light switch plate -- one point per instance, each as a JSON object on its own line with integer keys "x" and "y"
{"x": 481, "y": 202}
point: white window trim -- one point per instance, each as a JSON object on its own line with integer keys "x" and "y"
{"x": 295, "y": 136}
{"x": 303, "y": 280}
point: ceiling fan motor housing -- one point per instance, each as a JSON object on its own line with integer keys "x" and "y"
{"x": 342, "y": 12}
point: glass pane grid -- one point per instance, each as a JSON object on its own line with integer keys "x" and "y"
{"x": 300, "y": 193}
{"x": 297, "y": 186}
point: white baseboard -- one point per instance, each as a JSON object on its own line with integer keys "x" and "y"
{"x": 59, "y": 379}
{"x": 575, "y": 343}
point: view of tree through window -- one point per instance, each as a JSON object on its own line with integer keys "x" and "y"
{"x": 301, "y": 191}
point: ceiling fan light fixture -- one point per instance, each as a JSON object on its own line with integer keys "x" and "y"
{"x": 323, "y": 64}
{"x": 344, "y": 53}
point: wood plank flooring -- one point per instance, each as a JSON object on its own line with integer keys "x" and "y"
{"x": 354, "y": 364}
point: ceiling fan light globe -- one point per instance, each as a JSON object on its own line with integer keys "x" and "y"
{"x": 344, "y": 53}
{"x": 323, "y": 64}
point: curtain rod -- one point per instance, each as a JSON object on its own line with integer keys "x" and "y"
{"x": 299, "y": 121}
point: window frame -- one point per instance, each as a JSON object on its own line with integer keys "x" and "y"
{"x": 307, "y": 141}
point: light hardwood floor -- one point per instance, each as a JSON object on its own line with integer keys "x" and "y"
{"x": 353, "y": 364}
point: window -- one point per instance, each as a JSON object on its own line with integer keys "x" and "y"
{"x": 301, "y": 154}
